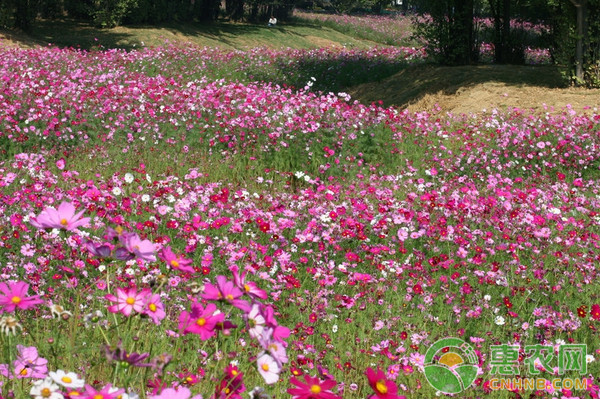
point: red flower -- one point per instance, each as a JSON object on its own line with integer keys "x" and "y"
{"x": 595, "y": 312}
{"x": 418, "y": 289}
{"x": 581, "y": 311}
{"x": 383, "y": 388}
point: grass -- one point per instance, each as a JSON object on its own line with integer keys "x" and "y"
{"x": 225, "y": 35}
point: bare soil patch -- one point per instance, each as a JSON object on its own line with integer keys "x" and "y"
{"x": 473, "y": 89}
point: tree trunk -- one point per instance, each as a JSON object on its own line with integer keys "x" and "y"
{"x": 23, "y": 15}
{"x": 580, "y": 6}
{"x": 464, "y": 31}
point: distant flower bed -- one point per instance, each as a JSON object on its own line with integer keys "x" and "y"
{"x": 396, "y": 30}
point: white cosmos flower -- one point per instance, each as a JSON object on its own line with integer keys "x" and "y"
{"x": 499, "y": 320}
{"x": 128, "y": 177}
{"x": 45, "y": 389}
{"x": 589, "y": 359}
{"x": 145, "y": 198}
{"x": 117, "y": 191}
{"x": 268, "y": 368}
{"x": 256, "y": 322}
{"x": 67, "y": 379}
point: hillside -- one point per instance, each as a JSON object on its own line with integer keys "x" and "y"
{"x": 475, "y": 88}
{"x": 452, "y": 89}
{"x": 70, "y": 33}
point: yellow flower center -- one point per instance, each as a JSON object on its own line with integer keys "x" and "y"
{"x": 246, "y": 287}
{"x": 189, "y": 379}
{"x": 229, "y": 297}
{"x": 152, "y": 307}
{"x": 200, "y": 322}
{"x": 74, "y": 393}
{"x": 265, "y": 367}
{"x": 227, "y": 390}
{"x": 66, "y": 379}
{"x": 119, "y": 230}
{"x": 23, "y": 371}
{"x": 45, "y": 392}
{"x": 234, "y": 372}
{"x": 315, "y": 389}
{"x": 16, "y": 299}
{"x": 64, "y": 222}
{"x": 98, "y": 396}
{"x": 381, "y": 387}
{"x": 130, "y": 301}
{"x": 174, "y": 263}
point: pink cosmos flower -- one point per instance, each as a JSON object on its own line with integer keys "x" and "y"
{"x": 154, "y": 308}
{"x": 14, "y": 295}
{"x": 312, "y": 388}
{"x": 29, "y": 364}
{"x": 383, "y": 388}
{"x": 60, "y": 164}
{"x": 127, "y": 300}
{"x": 276, "y": 349}
{"x": 142, "y": 249}
{"x": 179, "y": 392}
{"x": 226, "y": 291}
{"x": 62, "y": 218}
{"x": 200, "y": 320}
{"x": 107, "y": 392}
{"x": 174, "y": 261}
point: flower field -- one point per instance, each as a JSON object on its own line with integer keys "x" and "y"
{"x": 397, "y": 30}
{"x": 183, "y": 222}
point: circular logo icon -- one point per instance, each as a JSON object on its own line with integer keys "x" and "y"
{"x": 450, "y": 365}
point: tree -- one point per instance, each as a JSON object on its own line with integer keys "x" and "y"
{"x": 581, "y": 6}
{"x": 447, "y": 29}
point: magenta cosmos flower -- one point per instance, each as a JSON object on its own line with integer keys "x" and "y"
{"x": 128, "y": 300}
{"x": 107, "y": 392}
{"x": 226, "y": 291}
{"x": 200, "y": 320}
{"x": 174, "y": 261}
{"x": 14, "y": 295}
{"x": 383, "y": 388}
{"x": 312, "y": 388}
{"x": 250, "y": 288}
{"x": 64, "y": 217}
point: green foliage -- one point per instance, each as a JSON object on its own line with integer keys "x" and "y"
{"x": 110, "y": 13}
{"x": 564, "y": 38}
{"x": 447, "y": 30}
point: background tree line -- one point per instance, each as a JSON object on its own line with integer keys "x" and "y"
{"x": 569, "y": 28}
{"x": 452, "y": 29}
{"x": 110, "y": 13}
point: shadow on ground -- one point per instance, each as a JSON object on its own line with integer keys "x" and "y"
{"x": 81, "y": 34}
{"x": 414, "y": 83}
